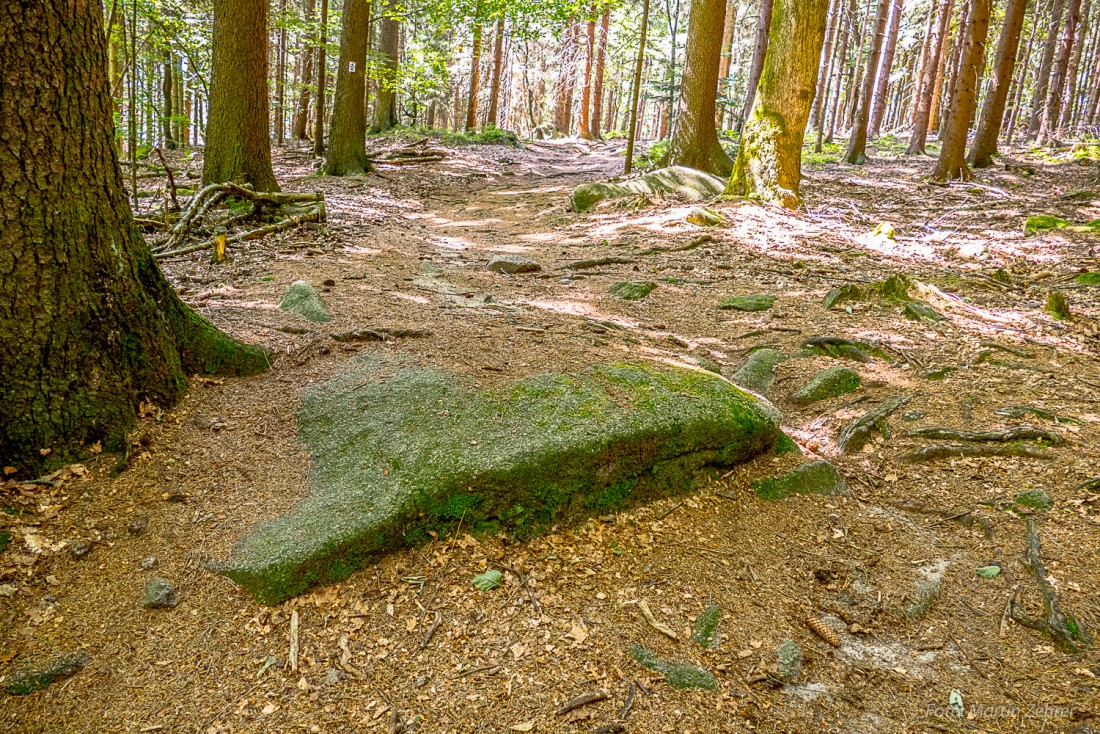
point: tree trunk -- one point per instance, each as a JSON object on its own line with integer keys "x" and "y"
{"x": 280, "y": 78}
{"x": 319, "y": 120}
{"x": 989, "y": 127}
{"x": 886, "y": 66}
{"x": 1042, "y": 84}
{"x": 584, "y": 126}
{"x": 952, "y": 161}
{"x": 824, "y": 73}
{"x": 168, "y": 93}
{"x": 695, "y": 142}
{"x": 1053, "y": 107}
{"x": 89, "y": 325}
{"x": 347, "y": 153}
{"x": 492, "y": 120}
{"x": 1021, "y": 82}
{"x": 925, "y": 59}
{"x": 857, "y": 144}
{"x": 305, "y": 75}
{"x": 769, "y": 161}
{"x": 759, "y": 54}
{"x": 929, "y": 85}
{"x": 732, "y": 6}
{"x": 389, "y": 48}
{"x": 847, "y": 22}
{"x": 475, "y": 81}
{"x": 1070, "y": 106}
{"x": 852, "y": 93}
{"x": 952, "y": 74}
{"x": 601, "y": 64}
{"x": 238, "y": 146}
{"x": 633, "y": 130}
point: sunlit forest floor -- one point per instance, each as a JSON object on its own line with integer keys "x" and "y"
{"x": 407, "y": 249}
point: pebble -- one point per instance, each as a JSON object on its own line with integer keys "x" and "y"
{"x": 513, "y": 264}
{"x": 159, "y": 594}
{"x": 149, "y": 562}
{"x": 139, "y": 525}
{"x": 80, "y": 548}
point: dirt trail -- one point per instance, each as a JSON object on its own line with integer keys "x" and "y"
{"x": 408, "y": 248}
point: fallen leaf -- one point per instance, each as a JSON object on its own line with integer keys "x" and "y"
{"x": 579, "y": 632}
{"x": 525, "y": 726}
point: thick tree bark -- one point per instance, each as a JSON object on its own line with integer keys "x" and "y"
{"x": 475, "y": 81}
{"x": 601, "y": 65}
{"x": 492, "y": 119}
{"x": 636, "y": 94}
{"x": 322, "y": 81}
{"x": 347, "y": 153}
{"x": 769, "y": 161}
{"x": 989, "y": 127}
{"x": 929, "y": 87}
{"x": 584, "y": 126}
{"x": 952, "y": 161}
{"x": 1053, "y": 107}
{"x": 857, "y": 144}
{"x": 389, "y": 48}
{"x": 886, "y": 66}
{"x": 238, "y": 146}
{"x": 305, "y": 78}
{"x": 695, "y": 141}
{"x": 1042, "y": 84}
{"x": 759, "y": 54}
{"x": 89, "y": 326}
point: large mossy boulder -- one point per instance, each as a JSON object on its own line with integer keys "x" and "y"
{"x": 689, "y": 183}
{"x": 400, "y": 451}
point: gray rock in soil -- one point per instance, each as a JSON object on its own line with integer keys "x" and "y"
{"x": 139, "y": 525}
{"x": 80, "y": 548}
{"x": 633, "y": 290}
{"x": 688, "y": 182}
{"x": 829, "y": 383}
{"x": 789, "y": 660}
{"x": 513, "y": 265}
{"x": 148, "y": 563}
{"x": 301, "y": 298}
{"x": 159, "y": 594}
{"x": 759, "y": 370}
{"x": 34, "y": 678}
{"x": 813, "y": 477}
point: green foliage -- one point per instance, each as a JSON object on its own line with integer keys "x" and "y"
{"x": 489, "y": 136}
{"x": 988, "y": 572}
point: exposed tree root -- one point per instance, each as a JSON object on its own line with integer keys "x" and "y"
{"x": 950, "y": 451}
{"x": 1062, "y": 627}
{"x": 856, "y": 434}
{"x": 316, "y": 214}
{"x": 1007, "y": 435}
{"x": 698, "y": 241}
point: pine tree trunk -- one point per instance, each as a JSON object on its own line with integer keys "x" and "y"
{"x": 952, "y": 161}
{"x": 492, "y": 119}
{"x": 857, "y": 144}
{"x": 941, "y": 73}
{"x": 953, "y": 64}
{"x": 857, "y": 69}
{"x": 89, "y": 325}
{"x": 732, "y": 6}
{"x": 886, "y": 66}
{"x": 1021, "y": 82}
{"x": 929, "y": 87}
{"x": 563, "y": 106}
{"x": 280, "y": 79}
{"x": 389, "y": 48}
{"x": 847, "y": 24}
{"x": 695, "y": 141}
{"x": 475, "y": 81}
{"x": 1070, "y": 105}
{"x": 601, "y": 65}
{"x": 989, "y": 127}
{"x": 305, "y": 77}
{"x": 1042, "y": 84}
{"x": 925, "y": 60}
{"x": 759, "y": 54}
{"x": 168, "y": 92}
{"x": 637, "y": 88}
{"x": 1053, "y": 107}
{"x": 347, "y": 153}
{"x": 238, "y": 146}
{"x": 584, "y": 127}
{"x": 322, "y": 81}
{"x": 769, "y": 161}
{"x": 824, "y": 72}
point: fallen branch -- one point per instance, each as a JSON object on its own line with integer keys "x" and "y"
{"x": 171, "y": 181}
{"x": 1061, "y": 626}
{"x": 951, "y": 451}
{"x": 586, "y": 264}
{"x": 431, "y": 630}
{"x": 1007, "y": 435}
{"x": 584, "y": 699}
{"x": 313, "y": 215}
{"x": 648, "y": 614}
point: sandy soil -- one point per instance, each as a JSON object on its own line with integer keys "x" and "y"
{"x": 407, "y": 248}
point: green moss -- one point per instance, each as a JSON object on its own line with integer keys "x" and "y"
{"x": 829, "y": 383}
{"x": 301, "y": 298}
{"x": 747, "y": 303}
{"x": 5, "y": 539}
{"x": 938, "y": 373}
{"x": 1057, "y": 307}
{"x": 31, "y": 680}
{"x": 1036, "y": 499}
{"x": 759, "y": 370}
{"x": 633, "y": 290}
{"x": 1088, "y": 279}
{"x": 895, "y": 289}
{"x": 917, "y": 310}
{"x": 928, "y": 590}
{"x": 1043, "y": 223}
{"x": 705, "y": 630}
{"x": 786, "y": 445}
{"x": 814, "y": 477}
{"x": 399, "y": 450}
{"x": 678, "y": 675}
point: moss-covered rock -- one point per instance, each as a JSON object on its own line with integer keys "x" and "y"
{"x": 1044, "y": 223}
{"x": 633, "y": 290}
{"x": 841, "y": 348}
{"x": 1087, "y": 279}
{"x": 829, "y": 383}
{"x": 918, "y": 310}
{"x": 1036, "y": 499}
{"x": 301, "y": 298}
{"x": 704, "y": 632}
{"x": 33, "y": 678}
{"x": 1057, "y": 307}
{"x": 704, "y": 217}
{"x": 786, "y": 445}
{"x": 759, "y": 370}
{"x": 758, "y": 302}
{"x": 677, "y": 675}
{"x": 788, "y": 660}
{"x": 689, "y": 183}
{"x": 399, "y": 451}
{"x": 513, "y": 265}
{"x": 895, "y": 289}
{"x": 813, "y": 477}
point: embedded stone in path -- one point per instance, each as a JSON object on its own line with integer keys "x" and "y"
{"x": 747, "y": 303}
{"x": 400, "y": 451}
{"x": 691, "y": 184}
{"x": 33, "y": 678}
{"x": 759, "y": 370}
{"x": 829, "y": 383}
{"x": 813, "y": 477}
{"x": 633, "y": 290}
{"x": 513, "y": 265}
{"x": 301, "y": 298}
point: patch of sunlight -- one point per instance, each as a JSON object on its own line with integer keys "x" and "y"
{"x": 409, "y": 297}
{"x": 452, "y": 243}
{"x": 578, "y": 308}
{"x": 470, "y": 223}
{"x": 518, "y": 192}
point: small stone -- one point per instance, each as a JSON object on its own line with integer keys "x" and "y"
{"x": 829, "y": 383}
{"x": 332, "y": 677}
{"x": 789, "y": 659}
{"x": 757, "y": 302}
{"x": 149, "y": 562}
{"x": 422, "y": 681}
{"x": 159, "y": 594}
{"x": 513, "y": 265}
{"x": 80, "y": 548}
{"x": 912, "y": 415}
{"x": 301, "y": 298}
{"x": 139, "y": 525}
{"x": 813, "y": 477}
{"x": 7, "y": 590}
{"x": 36, "y": 678}
{"x": 633, "y": 290}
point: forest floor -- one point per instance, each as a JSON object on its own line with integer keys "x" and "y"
{"x": 407, "y": 248}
